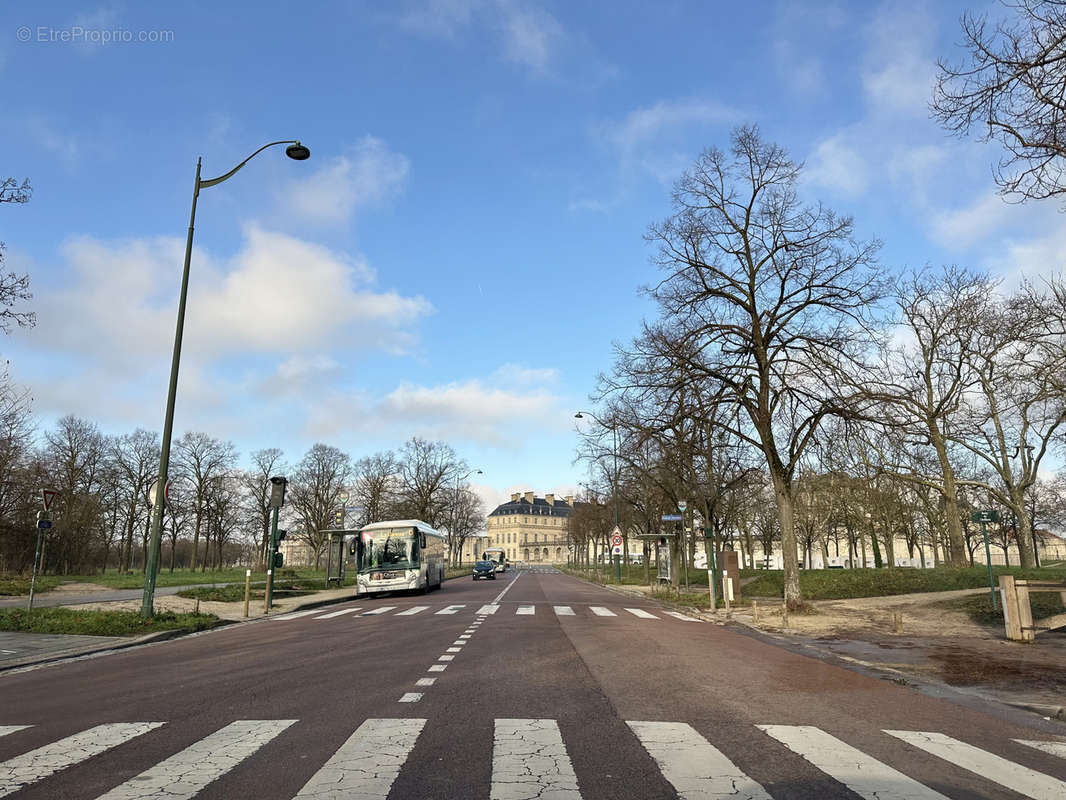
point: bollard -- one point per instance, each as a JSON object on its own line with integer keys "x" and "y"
{"x": 266, "y": 594}
{"x": 197, "y": 611}
{"x": 247, "y": 590}
{"x": 755, "y": 609}
{"x": 725, "y": 592}
{"x": 897, "y": 621}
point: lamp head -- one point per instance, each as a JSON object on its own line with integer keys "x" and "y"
{"x": 578, "y": 415}
{"x": 297, "y": 152}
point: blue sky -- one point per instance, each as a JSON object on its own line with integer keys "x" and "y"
{"x": 465, "y": 243}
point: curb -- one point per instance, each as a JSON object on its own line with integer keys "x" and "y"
{"x": 74, "y": 652}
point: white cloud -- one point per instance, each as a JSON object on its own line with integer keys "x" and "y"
{"x": 531, "y": 35}
{"x": 439, "y": 18}
{"x": 900, "y": 66}
{"x": 47, "y": 135}
{"x": 643, "y": 126}
{"x": 276, "y": 295}
{"x": 368, "y": 174}
{"x": 962, "y": 227}
{"x": 837, "y": 165}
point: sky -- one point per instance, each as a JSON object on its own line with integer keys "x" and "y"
{"x": 464, "y": 248}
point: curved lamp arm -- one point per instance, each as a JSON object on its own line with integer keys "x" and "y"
{"x": 232, "y": 172}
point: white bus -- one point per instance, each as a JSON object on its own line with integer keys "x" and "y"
{"x": 397, "y": 555}
{"x": 498, "y": 556}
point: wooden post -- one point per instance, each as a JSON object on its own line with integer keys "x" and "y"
{"x": 1025, "y": 611}
{"x": 1011, "y": 616}
{"x": 266, "y": 594}
{"x": 755, "y": 609}
{"x": 897, "y": 621}
{"x": 725, "y": 592}
{"x": 247, "y": 590}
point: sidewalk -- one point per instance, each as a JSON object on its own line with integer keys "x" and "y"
{"x": 18, "y": 649}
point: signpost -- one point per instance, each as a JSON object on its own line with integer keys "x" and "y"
{"x": 616, "y": 553}
{"x": 984, "y": 517}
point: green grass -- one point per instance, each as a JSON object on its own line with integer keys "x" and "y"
{"x": 99, "y": 623}
{"x": 979, "y": 607}
{"x": 839, "y": 584}
{"x": 235, "y": 592}
{"x": 18, "y": 585}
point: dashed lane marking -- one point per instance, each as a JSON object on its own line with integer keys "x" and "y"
{"x": 864, "y": 775}
{"x": 451, "y": 609}
{"x": 44, "y": 761}
{"x": 295, "y": 614}
{"x": 366, "y": 765}
{"x": 374, "y": 611}
{"x": 640, "y": 612}
{"x": 678, "y": 615}
{"x": 437, "y": 668}
{"x": 6, "y": 729}
{"x": 600, "y": 611}
{"x": 1055, "y": 748}
{"x": 563, "y": 611}
{"x": 492, "y": 608}
{"x": 526, "y": 610}
{"x": 411, "y": 697}
{"x": 425, "y": 681}
{"x": 183, "y": 775}
{"x": 692, "y": 765}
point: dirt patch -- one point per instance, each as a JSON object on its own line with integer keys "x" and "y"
{"x": 1031, "y": 671}
{"x": 80, "y": 588}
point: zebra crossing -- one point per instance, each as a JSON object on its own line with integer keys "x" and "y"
{"x": 521, "y": 610}
{"x": 529, "y": 758}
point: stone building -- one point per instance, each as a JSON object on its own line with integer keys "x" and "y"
{"x": 529, "y": 528}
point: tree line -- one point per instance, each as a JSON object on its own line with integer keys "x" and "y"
{"x": 217, "y": 513}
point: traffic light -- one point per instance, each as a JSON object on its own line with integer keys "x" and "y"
{"x": 281, "y": 534}
{"x": 338, "y": 519}
{"x": 279, "y": 560}
{"x": 277, "y": 491}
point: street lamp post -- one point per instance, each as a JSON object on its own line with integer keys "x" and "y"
{"x": 614, "y": 484}
{"x": 295, "y": 151}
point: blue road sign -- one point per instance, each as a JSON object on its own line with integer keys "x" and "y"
{"x": 44, "y": 523}
{"x": 671, "y": 517}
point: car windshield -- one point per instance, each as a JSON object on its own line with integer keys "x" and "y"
{"x": 393, "y": 548}
{"x": 483, "y": 565}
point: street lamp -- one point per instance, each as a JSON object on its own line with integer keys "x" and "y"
{"x": 295, "y": 151}
{"x": 614, "y": 480}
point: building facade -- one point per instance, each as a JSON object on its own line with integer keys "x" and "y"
{"x": 530, "y": 529}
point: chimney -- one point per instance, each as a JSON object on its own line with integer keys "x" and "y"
{"x": 529, "y": 497}
{"x": 514, "y": 497}
{"x": 570, "y": 500}
{"x": 550, "y": 498}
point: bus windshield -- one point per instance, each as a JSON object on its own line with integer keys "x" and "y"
{"x": 392, "y": 548}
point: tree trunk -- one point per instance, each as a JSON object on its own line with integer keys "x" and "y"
{"x": 789, "y": 554}
{"x": 1024, "y": 529}
{"x": 195, "y": 542}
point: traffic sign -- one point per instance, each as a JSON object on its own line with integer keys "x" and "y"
{"x": 616, "y": 550}
{"x": 44, "y": 516}
{"x": 616, "y": 540}
{"x": 47, "y": 496}
{"x": 153, "y": 492}
{"x": 44, "y": 523}
{"x": 671, "y": 517}
{"x": 682, "y": 505}
{"x": 985, "y": 516}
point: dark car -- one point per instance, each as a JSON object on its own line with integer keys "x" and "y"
{"x": 485, "y": 569}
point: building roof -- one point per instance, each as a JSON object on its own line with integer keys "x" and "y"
{"x": 559, "y": 508}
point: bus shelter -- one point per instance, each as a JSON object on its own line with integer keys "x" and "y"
{"x": 337, "y": 555}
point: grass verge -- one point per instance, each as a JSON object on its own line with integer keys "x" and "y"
{"x": 979, "y": 607}
{"x": 99, "y": 623}
{"x": 234, "y": 592}
{"x": 20, "y": 585}
{"x": 840, "y": 584}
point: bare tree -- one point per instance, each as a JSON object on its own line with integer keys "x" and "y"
{"x": 1012, "y": 84}
{"x": 376, "y": 486}
{"x": 771, "y": 297}
{"x": 315, "y": 490}
{"x": 135, "y": 460}
{"x": 256, "y": 484}
{"x": 426, "y": 470}
{"x": 199, "y": 458}
{"x": 14, "y": 288}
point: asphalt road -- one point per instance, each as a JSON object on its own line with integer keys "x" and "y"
{"x": 533, "y": 686}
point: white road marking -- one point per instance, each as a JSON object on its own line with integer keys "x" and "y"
{"x": 437, "y": 668}
{"x": 678, "y": 615}
{"x": 1055, "y": 748}
{"x": 366, "y": 765}
{"x": 563, "y": 611}
{"x": 183, "y": 775}
{"x": 468, "y": 631}
{"x": 44, "y": 761}
{"x": 460, "y": 641}
{"x": 340, "y": 613}
{"x": 527, "y": 610}
{"x": 864, "y": 775}
{"x": 445, "y": 658}
{"x": 640, "y": 612}
{"x": 695, "y": 768}
{"x": 489, "y": 609}
{"x": 600, "y": 611}
{"x": 454, "y": 650}
{"x": 451, "y": 609}
{"x": 295, "y": 614}
{"x": 425, "y": 681}
{"x": 380, "y": 610}
{"x": 529, "y": 760}
{"x": 411, "y": 610}
{"x": 1020, "y": 779}
{"x": 411, "y": 697}
{"x": 463, "y": 636}
{"x": 506, "y": 589}
{"x": 6, "y": 729}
